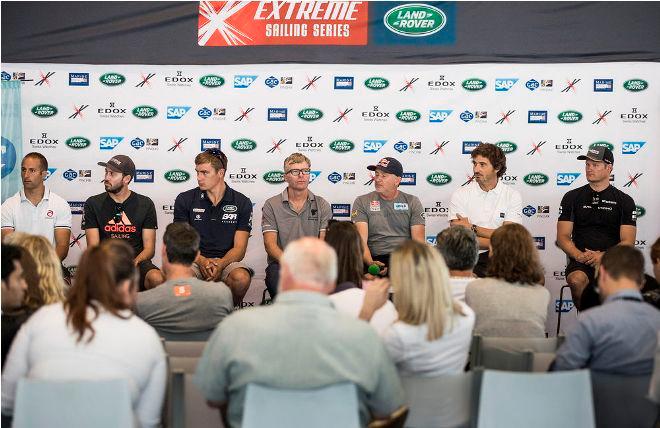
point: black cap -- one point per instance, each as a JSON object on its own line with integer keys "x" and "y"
{"x": 598, "y": 154}
{"x": 120, "y": 163}
{"x": 389, "y": 165}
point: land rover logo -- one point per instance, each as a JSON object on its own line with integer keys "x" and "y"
{"x": 112, "y": 79}
{"x": 602, "y": 144}
{"x": 439, "y": 178}
{"x": 507, "y": 146}
{"x": 145, "y": 112}
{"x": 78, "y": 142}
{"x": 415, "y": 20}
{"x": 342, "y": 146}
{"x": 274, "y": 177}
{"x": 640, "y": 211}
{"x": 211, "y": 81}
{"x": 535, "y": 178}
{"x": 243, "y": 145}
{"x": 177, "y": 176}
{"x": 408, "y": 116}
{"x": 230, "y": 208}
{"x": 473, "y": 84}
{"x": 44, "y": 110}
{"x": 570, "y": 116}
{"x": 376, "y": 83}
{"x": 310, "y": 114}
{"x": 635, "y": 85}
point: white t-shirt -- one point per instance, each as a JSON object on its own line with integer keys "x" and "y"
{"x": 350, "y": 302}
{"x": 414, "y": 355}
{"x": 45, "y": 348}
{"x": 458, "y": 285}
{"x": 51, "y": 213}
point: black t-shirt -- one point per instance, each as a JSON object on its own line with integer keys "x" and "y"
{"x": 597, "y": 216}
{"x": 120, "y": 220}
{"x": 216, "y": 225}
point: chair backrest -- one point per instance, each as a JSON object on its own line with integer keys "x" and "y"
{"x": 184, "y": 349}
{"x": 539, "y": 400}
{"x": 539, "y": 361}
{"x": 508, "y": 353}
{"x": 73, "y": 404}
{"x": 188, "y": 406}
{"x": 197, "y": 336}
{"x": 441, "y": 401}
{"x": 621, "y": 401}
{"x": 331, "y": 406}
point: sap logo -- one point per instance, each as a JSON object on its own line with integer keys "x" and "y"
{"x": 210, "y": 143}
{"x": 343, "y": 82}
{"x": 603, "y": 85}
{"x": 564, "y": 305}
{"x": 243, "y": 81}
{"x": 372, "y": 146}
{"x": 78, "y": 79}
{"x": 539, "y": 241}
{"x": 537, "y": 116}
{"x": 144, "y": 175}
{"x": 466, "y": 116}
{"x": 529, "y": 211}
{"x": 177, "y": 112}
{"x": 277, "y": 114}
{"x": 341, "y": 210}
{"x": 50, "y": 172}
{"x": 566, "y": 178}
{"x": 77, "y": 207}
{"x": 227, "y": 216}
{"x": 409, "y": 179}
{"x": 439, "y": 116}
{"x": 431, "y": 240}
{"x": 70, "y": 174}
{"x": 334, "y": 177}
{"x": 631, "y": 147}
{"x": 504, "y": 84}
{"x": 109, "y": 143}
{"x": 137, "y": 143}
{"x": 532, "y": 84}
{"x": 469, "y": 146}
{"x": 313, "y": 175}
{"x": 401, "y": 147}
{"x": 204, "y": 113}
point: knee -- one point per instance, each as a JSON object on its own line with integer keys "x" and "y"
{"x": 577, "y": 279}
{"x": 239, "y": 278}
{"x": 153, "y": 279}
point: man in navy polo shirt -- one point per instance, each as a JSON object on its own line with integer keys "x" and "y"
{"x": 223, "y": 219}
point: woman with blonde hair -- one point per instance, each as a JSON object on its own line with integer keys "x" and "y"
{"x": 433, "y": 333}
{"x": 510, "y": 302}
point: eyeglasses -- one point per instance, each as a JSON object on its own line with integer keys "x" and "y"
{"x": 217, "y": 153}
{"x": 297, "y": 172}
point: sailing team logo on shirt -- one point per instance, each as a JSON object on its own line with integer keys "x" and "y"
{"x": 120, "y": 224}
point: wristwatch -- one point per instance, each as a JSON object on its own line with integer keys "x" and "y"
{"x": 474, "y": 229}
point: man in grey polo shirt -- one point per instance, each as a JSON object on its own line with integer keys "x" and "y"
{"x": 292, "y": 214}
{"x": 387, "y": 217}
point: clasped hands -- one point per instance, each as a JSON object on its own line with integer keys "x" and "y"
{"x": 210, "y": 268}
{"x": 590, "y": 257}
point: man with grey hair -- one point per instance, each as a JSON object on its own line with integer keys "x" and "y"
{"x": 299, "y": 342}
{"x": 460, "y": 249}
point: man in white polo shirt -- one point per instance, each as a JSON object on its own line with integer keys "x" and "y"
{"x": 35, "y": 209}
{"x": 485, "y": 203}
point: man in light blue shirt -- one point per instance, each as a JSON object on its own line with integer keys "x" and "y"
{"x": 620, "y": 336}
{"x": 299, "y": 342}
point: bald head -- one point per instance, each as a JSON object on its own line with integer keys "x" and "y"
{"x": 308, "y": 264}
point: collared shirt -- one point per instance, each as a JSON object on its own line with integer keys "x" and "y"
{"x": 486, "y": 209}
{"x": 217, "y": 224}
{"x": 51, "y": 213}
{"x": 618, "y": 337}
{"x": 278, "y": 216}
{"x": 299, "y": 342}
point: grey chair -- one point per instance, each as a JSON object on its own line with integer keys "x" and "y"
{"x": 197, "y": 336}
{"x": 184, "y": 349}
{"x": 622, "y": 402}
{"x": 509, "y": 353}
{"x": 441, "y": 401}
{"x": 329, "y": 407}
{"x": 539, "y": 361}
{"x": 73, "y": 404}
{"x": 539, "y": 400}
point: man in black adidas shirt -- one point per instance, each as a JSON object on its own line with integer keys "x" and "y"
{"x": 592, "y": 219}
{"x": 120, "y": 213}
{"x": 223, "y": 218}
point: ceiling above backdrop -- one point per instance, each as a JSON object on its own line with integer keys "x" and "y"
{"x": 320, "y": 32}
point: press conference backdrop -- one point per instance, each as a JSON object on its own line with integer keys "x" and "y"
{"x": 345, "y": 117}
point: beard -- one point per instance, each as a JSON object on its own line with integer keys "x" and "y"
{"x": 116, "y": 189}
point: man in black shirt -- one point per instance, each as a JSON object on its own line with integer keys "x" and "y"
{"x": 223, "y": 219}
{"x": 120, "y": 213}
{"x": 592, "y": 219}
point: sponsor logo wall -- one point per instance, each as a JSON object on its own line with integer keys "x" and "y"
{"x": 345, "y": 118}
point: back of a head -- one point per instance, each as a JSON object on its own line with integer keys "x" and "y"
{"x": 344, "y": 238}
{"x": 181, "y": 243}
{"x": 100, "y": 271}
{"x": 459, "y": 247}
{"x": 622, "y": 261}
{"x": 311, "y": 264}
{"x": 422, "y": 294}
{"x": 514, "y": 257}
{"x": 49, "y": 269}
{"x": 10, "y": 254}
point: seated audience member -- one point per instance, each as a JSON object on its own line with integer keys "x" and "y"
{"x": 93, "y": 335}
{"x": 14, "y": 288}
{"x": 434, "y": 331}
{"x": 620, "y": 336}
{"x": 298, "y": 342}
{"x": 510, "y": 302}
{"x": 183, "y": 304}
{"x": 651, "y": 289}
{"x": 460, "y": 249}
{"x": 348, "y": 297}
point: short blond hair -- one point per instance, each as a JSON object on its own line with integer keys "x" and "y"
{"x": 216, "y": 163}
{"x": 422, "y": 294}
{"x": 297, "y": 158}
